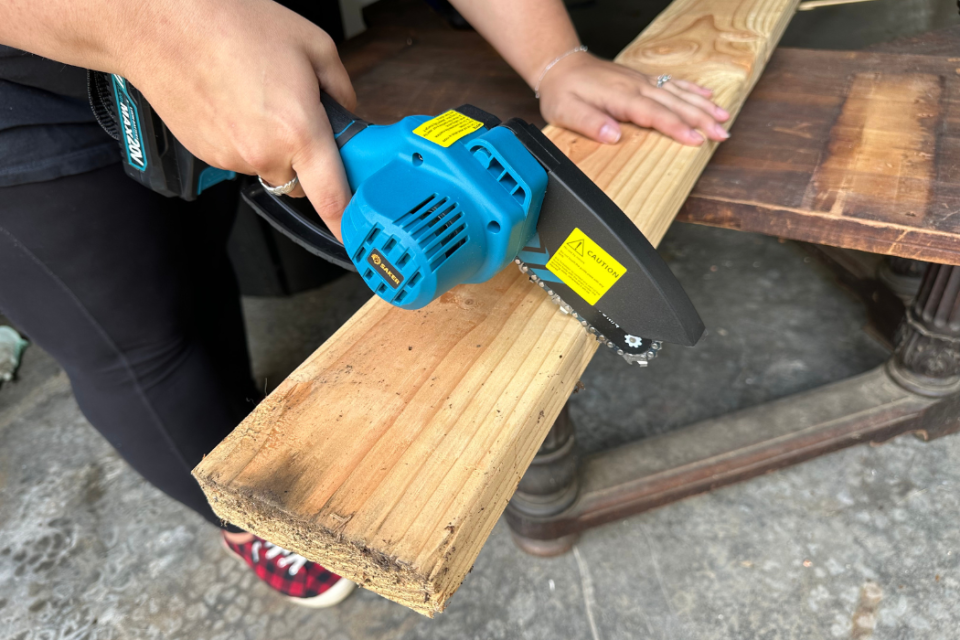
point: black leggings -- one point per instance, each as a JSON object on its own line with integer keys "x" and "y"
{"x": 134, "y": 295}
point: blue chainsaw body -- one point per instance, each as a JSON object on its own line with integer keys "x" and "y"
{"x": 425, "y": 218}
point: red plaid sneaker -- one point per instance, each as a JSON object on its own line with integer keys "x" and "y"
{"x": 305, "y": 583}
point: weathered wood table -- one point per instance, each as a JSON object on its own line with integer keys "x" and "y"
{"x": 853, "y": 150}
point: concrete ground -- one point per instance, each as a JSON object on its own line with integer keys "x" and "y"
{"x": 857, "y": 542}
{"x": 862, "y": 543}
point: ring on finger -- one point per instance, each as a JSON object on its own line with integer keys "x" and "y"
{"x": 283, "y": 189}
{"x": 663, "y": 79}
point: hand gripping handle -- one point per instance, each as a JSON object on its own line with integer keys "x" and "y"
{"x": 286, "y": 215}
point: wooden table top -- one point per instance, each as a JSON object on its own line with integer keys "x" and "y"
{"x": 859, "y": 150}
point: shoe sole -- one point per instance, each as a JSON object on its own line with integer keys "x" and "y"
{"x": 336, "y": 594}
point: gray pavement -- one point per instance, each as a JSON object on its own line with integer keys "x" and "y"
{"x": 857, "y": 544}
{"x": 862, "y": 543}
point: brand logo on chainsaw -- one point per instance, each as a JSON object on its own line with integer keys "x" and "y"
{"x": 386, "y": 270}
{"x": 130, "y": 122}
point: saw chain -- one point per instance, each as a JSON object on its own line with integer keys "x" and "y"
{"x": 642, "y": 358}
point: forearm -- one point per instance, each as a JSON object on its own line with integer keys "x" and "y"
{"x": 66, "y": 31}
{"x": 237, "y": 81}
{"x": 108, "y": 35}
{"x": 529, "y": 34}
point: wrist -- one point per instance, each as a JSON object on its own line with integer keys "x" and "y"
{"x": 136, "y": 38}
{"x": 532, "y": 58}
{"x": 551, "y": 65}
{"x": 166, "y": 35}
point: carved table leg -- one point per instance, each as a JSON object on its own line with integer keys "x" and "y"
{"x": 927, "y": 359}
{"x": 902, "y": 276}
{"x": 917, "y": 390}
{"x": 885, "y": 285}
{"x": 548, "y": 487}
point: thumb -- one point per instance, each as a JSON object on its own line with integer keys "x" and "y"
{"x": 587, "y": 120}
{"x": 321, "y": 173}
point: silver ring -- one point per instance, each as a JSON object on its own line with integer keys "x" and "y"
{"x": 663, "y": 79}
{"x": 282, "y": 190}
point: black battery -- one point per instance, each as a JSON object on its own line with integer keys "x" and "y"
{"x": 151, "y": 154}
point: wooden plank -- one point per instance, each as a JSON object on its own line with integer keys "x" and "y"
{"x": 391, "y": 452}
{"x": 858, "y": 150}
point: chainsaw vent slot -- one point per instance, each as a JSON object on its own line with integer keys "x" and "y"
{"x": 371, "y": 275}
{"x": 404, "y": 259}
{"x": 422, "y": 220}
{"x": 502, "y": 175}
{"x": 449, "y": 252}
{"x": 414, "y": 279}
{"x": 361, "y": 253}
{"x": 448, "y": 240}
{"x": 437, "y": 225}
{"x": 397, "y": 299}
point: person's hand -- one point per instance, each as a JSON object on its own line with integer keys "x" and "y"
{"x": 588, "y": 95}
{"x": 238, "y": 83}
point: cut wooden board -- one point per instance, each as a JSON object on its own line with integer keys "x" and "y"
{"x": 390, "y": 453}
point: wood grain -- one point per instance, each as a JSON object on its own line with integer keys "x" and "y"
{"x": 858, "y": 150}
{"x": 940, "y": 42}
{"x": 389, "y": 454}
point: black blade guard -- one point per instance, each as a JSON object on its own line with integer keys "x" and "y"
{"x": 593, "y": 256}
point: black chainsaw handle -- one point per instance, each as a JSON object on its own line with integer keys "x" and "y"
{"x": 295, "y": 218}
{"x": 304, "y": 228}
{"x": 345, "y": 125}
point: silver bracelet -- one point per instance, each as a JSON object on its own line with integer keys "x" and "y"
{"x": 536, "y": 89}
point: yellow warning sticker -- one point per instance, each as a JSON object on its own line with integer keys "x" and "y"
{"x": 447, "y": 128}
{"x": 585, "y": 267}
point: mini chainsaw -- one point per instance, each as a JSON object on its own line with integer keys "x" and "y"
{"x": 448, "y": 200}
